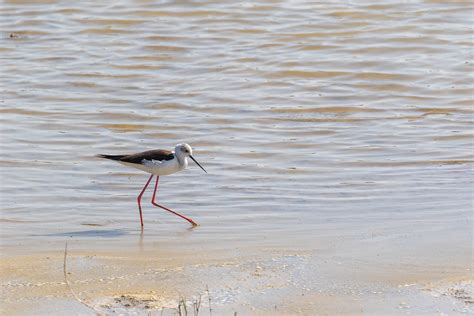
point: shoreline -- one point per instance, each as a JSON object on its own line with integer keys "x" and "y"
{"x": 281, "y": 283}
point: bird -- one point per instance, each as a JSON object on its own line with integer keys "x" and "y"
{"x": 158, "y": 162}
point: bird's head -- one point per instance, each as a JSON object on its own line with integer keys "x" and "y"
{"x": 184, "y": 150}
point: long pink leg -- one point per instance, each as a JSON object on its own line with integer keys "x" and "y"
{"x": 139, "y": 199}
{"x": 167, "y": 209}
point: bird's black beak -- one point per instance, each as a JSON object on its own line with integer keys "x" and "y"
{"x": 197, "y": 163}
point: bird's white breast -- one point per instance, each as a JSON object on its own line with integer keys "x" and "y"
{"x": 158, "y": 168}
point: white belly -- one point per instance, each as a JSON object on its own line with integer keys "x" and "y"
{"x": 158, "y": 168}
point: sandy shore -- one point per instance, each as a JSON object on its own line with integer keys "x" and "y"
{"x": 272, "y": 283}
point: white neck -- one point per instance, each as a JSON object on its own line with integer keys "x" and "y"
{"x": 182, "y": 159}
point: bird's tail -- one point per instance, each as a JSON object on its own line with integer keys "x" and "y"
{"x": 111, "y": 157}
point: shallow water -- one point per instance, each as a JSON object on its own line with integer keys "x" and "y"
{"x": 335, "y": 127}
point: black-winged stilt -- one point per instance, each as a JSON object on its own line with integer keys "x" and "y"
{"x": 158, "y": 162}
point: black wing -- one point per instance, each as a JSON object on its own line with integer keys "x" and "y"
{"x": 158, "y": 154}
{"x": 111, "y": 157}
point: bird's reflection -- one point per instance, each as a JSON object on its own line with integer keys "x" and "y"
{"x": 184, "y": 233}
{"x": 106, "y": 233}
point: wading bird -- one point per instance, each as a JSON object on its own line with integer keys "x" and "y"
{"x": 158, "y": 162}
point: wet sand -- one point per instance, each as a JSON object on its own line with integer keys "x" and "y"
{"x": 350, "y": 278}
